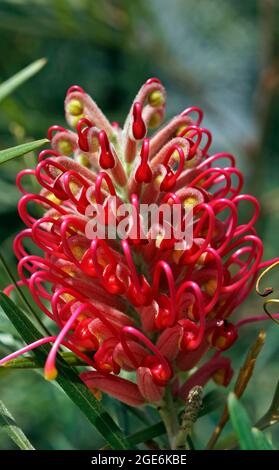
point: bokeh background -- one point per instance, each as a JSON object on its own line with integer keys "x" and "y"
{"x": 222, "y": 55}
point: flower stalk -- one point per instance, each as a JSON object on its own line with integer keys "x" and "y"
{"x": 168, "y": 414}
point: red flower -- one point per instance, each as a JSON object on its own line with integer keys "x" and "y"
{"x": 137, "y": 305}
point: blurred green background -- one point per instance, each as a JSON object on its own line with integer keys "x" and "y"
{"x": 222, "y": 55}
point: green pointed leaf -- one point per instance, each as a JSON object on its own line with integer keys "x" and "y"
{"x": 261, "y": 440}
{"x": 275, "y": 401}
{"x": 22, "y": 295}
{"x": 8, "y": 423}
{"x": 241, "y": 424}
{"x": 68, "y": 379}
{"x": 7, "y": 87}
{"x": 271, "y": 417}
{"x": 19, "y": 150}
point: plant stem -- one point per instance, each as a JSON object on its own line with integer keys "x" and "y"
{"x": 169, "y": 416}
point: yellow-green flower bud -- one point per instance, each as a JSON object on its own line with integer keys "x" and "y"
{"x": 65, "y": 147}
{"x": 154, "y": 120}
{"x": 75, "y": 107}
{"x": 75, "y": 119}
{"x": 156, "y": 98}
{"x": 83, "y": 160}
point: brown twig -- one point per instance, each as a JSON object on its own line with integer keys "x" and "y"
{"x": 243, "y": 378}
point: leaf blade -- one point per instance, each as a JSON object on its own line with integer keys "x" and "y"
{"x": 7, "y": 87}
{"x": 31, "y": 363}
{"x": 262, "y": 441}
{"x": 148, "y": 433}
{"x": 271, "y": 417}
{"x": 19, "y": 150}
{"x": 241, "y": 424}
{"x": 68, "y": 379}
{"x": 8, "y": 423}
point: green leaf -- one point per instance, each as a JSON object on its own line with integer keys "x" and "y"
{"x": 261, "y": 440}
{"x": 68, "y": 379}
{"x": 7, "y": 87}
{"x": 31, "y": 363}
{"x": 241, "y": 424}
{"x": 8, "y": 423}
{"x": 19, "y": 150}
{"x": 272, "y": 415}
{"x": 147, "y": 434}
{"x": 22, "y": 295}
{"x": 211, "y": 401}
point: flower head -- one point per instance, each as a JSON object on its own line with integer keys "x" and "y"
{"x": 138, "y": 305}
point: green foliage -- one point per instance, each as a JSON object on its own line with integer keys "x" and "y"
{"x": 271, "y": 417}
{"x": 212, "y": 401}
{"x": 8, "y": 424}
{"x": 67, "y": 378}
{"x": 249, "y": 438}
{"x": 19, "y": 150}
{"x": 261, "y": 440}
{"x": 7, "y": 87}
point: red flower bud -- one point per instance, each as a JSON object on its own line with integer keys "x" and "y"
{"x": 190, "y": 334}
{"x": 84, "y": 337}
{"x": 223, "y": 336}
{"x": 138, "y": 126}
{"x": 83, "y": 127}
{"x": 160, "y": 374}
{"x": 143, "y": 173}
{"x": 106, "y": 158}
{"x": 163, "y": 318}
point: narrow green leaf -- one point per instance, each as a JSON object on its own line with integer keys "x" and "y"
{"x": 261, "y": 440}
{"x": 147, "y": 434}
{"x": 211, "y": 401}
{"x": 7, "y": 87}
{"x": 19, "y": 150}
{"x": 272, "y": 415}
{"x": 275, "y": 401}
{"x": 21, "y": 294}
{"x": 270, "y": 418}
{"x": 68, "y": 379}
{"x": 8, "y": 423}
{"x": 140, "y": 414}
{"x": 31, "y": 363}
{"x": 241, "y": 424}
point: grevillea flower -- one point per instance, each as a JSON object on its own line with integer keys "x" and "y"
{"x": 138, "y": 312}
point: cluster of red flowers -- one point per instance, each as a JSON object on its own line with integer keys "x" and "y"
{"x": 138, "y": 313}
